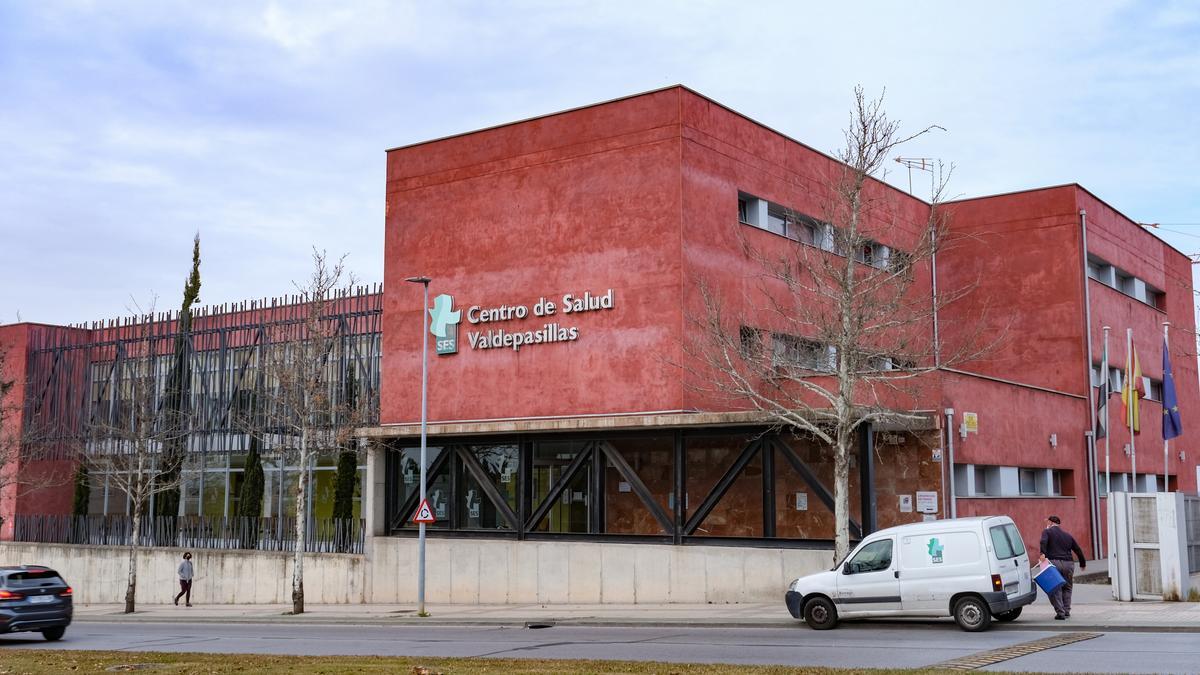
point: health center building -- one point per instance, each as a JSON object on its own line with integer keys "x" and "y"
{"x": 578, "y": 449}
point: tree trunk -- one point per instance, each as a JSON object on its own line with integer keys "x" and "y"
{"x": 841, "y": 501}
{"x": 301, "y": 529}
{"x": 134, "y": 541}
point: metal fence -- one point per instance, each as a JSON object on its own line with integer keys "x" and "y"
{"x": 333, "y": 535}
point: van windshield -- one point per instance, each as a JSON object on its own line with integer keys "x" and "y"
{"x": 1006, "y": 541}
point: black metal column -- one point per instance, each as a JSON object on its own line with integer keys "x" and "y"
{"x": 768, "y": 489}
{"x": 866, "y": 477}
{"x": 679, "y": 512}
{"x": 524, "y": 485}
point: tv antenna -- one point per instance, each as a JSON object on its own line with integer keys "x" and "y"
{"x": 920, "y": 164}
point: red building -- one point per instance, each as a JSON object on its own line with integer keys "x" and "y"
{"x": 637, "y": 200}
{"x": 578, "y": 249}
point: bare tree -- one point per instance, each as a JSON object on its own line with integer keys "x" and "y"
{"x": 128, "y": 434}
{"x": 847, "y": 319}
{"x": 10, "y": 431}
{"x": 305, "y": 410}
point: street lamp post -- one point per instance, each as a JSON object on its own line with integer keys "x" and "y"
{"x": 424, "y": 281}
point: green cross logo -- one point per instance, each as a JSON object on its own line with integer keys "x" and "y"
{"x": 442, "y": 315}
{"x": 445, "y": 325}
{"x": 935, "y": 550}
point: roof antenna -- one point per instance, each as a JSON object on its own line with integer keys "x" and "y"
{"x": 920, "y": 164}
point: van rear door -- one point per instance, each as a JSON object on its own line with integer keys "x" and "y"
{"x": 1011, "y": 560}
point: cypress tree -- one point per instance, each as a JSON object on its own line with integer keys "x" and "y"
{"x": 83, "y": 491}
{"x": 176, "y": 391}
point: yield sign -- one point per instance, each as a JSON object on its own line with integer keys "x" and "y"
{"x": 424, "y": 513}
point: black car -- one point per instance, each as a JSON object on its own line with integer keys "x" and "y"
{"x": 34, "y": 598}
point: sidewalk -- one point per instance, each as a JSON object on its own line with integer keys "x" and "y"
{"x": 1093, "y": 610}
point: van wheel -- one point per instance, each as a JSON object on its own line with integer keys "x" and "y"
{"x": 820, "y": 614}
{"x": 972, "y": 615}
{"x": 55, "y": 633}
{"x": 1010, "y": 615}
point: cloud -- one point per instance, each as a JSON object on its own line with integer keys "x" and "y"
{"x": 126, "y": 127}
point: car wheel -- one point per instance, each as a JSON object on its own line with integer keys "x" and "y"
{"x": 55, "y": 633}
{"x": 1010, "y": 615}
{"x": 820, "y": 614}
{"x": 972, "y": 615}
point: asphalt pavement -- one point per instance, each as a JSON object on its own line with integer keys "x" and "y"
{"x": 861, "y": 645}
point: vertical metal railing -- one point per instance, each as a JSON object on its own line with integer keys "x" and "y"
{"x": 330, "y": 535}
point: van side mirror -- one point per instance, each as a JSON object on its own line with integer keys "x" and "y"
{"x": 846, "y": 568}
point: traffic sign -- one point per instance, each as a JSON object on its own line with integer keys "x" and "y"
{"x": 424, "y": 514}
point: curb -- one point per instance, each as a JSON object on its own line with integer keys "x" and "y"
{"x": 433, "y": 622}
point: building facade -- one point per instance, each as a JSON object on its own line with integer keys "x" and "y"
{"x": 591, "y": 422}
{"x": 578, "y": 253}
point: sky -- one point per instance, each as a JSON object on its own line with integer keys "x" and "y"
{"x": 126, "y": 128}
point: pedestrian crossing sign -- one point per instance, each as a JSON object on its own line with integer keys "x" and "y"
{"x": 424, "y": 513}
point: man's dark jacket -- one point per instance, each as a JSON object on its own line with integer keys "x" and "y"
{"x": 1057, "y": 544}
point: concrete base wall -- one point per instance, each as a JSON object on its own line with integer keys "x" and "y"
{"x": 460, "y": 571}
{"x": 98, "y": 574}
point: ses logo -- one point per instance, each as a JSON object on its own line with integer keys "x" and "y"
{"x": 444, "y": 324}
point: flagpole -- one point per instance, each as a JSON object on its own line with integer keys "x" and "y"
{"x": 1166, "y": 457}
{"x": 1130, "y": 405}
{"x": 1107, "y": 428}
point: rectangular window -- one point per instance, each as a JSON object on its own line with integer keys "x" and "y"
{"x": 1056, "y": 478}
{"x": 981, "y": 473}
{"x": 1029, "y": 481}
{"x": 794, "y": 352}
{"x": 865, "y": 253}
{"x": 1154, "y": 389}
{"x": 1000, "y": 543}
{"x": 750, "y": 340}
{"x": 777, "y": 220}
{"x": 743, "y": 211}
{"x": 1156, "y": 298}
{"x": 806, "y": 232}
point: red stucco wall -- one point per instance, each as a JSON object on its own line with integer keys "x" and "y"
{"x": 14, "y": 341}
{"x": 582, "y": 201}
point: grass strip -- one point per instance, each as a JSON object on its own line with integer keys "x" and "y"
{"x": 37, "y": 661}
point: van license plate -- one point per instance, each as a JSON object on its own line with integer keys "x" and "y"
{"x": 42, "y": 599}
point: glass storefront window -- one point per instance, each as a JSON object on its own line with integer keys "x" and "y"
{"x": 191, "y": 492}
{"x": 799, "y": 512}
{"x": 739, "y": 512}
{"x": 550, "y": 462}
{"x": 652, "y": 461}
{"x": 409, "y": 468}
{"x": 475, "y": 509}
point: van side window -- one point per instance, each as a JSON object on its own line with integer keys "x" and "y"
{"x": 1006, "y": 540}
{"x": 874, "y": 557}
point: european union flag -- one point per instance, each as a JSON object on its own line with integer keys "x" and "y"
{"x": 1172, "y": 424}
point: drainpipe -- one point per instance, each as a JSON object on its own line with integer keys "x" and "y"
{"x": 953, "y": 500}
{"x": 1090, "y": 458}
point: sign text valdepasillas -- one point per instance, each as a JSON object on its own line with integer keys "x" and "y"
{"x": 549, "y": 332}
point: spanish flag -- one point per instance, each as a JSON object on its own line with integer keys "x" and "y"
{"x": 1132, "y": 389}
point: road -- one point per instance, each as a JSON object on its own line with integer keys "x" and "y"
{"x": 860, "y": 645}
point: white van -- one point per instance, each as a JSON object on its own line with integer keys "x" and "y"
{"x": 973, "y": 569}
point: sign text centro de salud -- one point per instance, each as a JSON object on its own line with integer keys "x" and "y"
{"x": 445, "y": 321}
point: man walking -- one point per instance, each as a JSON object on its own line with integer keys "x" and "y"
{"x": 1057, "y": 546}
{"x": 185, "y": 579}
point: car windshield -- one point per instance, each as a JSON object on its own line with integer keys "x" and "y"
{"x": 34, "y": 579}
